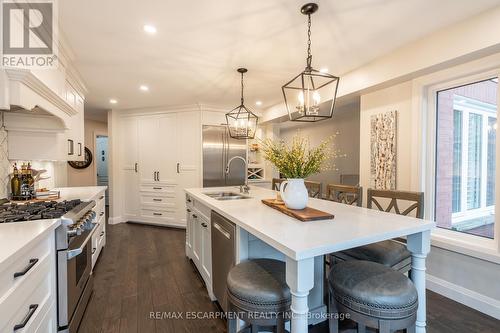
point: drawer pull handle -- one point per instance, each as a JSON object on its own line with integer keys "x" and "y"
{"x": 101, "y": 197}
{"x": 204, "y": 225}
{"x": 102, "y": 213}
{"x": 195, "y": 216}
{"x": 158, "y": 214}
{"x": 102, "y": 234}
{"x": 188, "y": 200}
{"x": 27, "y": 318}
{"x": 188, "y": 210}
{"x": 157, "y": 188}
{"x": 32, "y": 263}
{"x": 93, "y": 250}
{"x": 157, "y": 200}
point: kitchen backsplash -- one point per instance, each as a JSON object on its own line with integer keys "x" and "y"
{"x": 4, "y": 165}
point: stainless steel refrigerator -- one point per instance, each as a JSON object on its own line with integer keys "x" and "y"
{"x": 218, "y": 149}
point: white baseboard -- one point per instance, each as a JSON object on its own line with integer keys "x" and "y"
{"x": 115, "y": 220}
{"x": 472, "y": 299}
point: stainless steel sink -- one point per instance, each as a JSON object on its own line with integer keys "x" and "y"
{"x": 226, "y": 196}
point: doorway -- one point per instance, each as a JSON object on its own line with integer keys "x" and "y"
{"x": 102, "y": 157}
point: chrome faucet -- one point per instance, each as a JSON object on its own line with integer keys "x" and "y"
{"x": 243, "y": 188}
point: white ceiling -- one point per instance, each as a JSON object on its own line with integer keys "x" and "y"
{"x": 199, "y": 44}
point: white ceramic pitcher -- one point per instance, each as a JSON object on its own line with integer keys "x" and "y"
{"x": 295, "y": 194}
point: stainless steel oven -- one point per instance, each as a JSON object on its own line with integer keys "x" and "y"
{"x": 74, "y": 278}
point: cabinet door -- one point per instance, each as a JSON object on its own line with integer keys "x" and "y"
{"x": 189, "y": 233}
{"x": 197, "y": 239}
{"x": 149, "y": 145}
{"x": 129, "y": 168}
{"x": 165, "y": 149}
{"x": 206, "y": 243}
{"x": 188, "y": 154}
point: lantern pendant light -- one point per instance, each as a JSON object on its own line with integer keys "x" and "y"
{"x": 310, "y": 96}
{"x": 241, "y": 122}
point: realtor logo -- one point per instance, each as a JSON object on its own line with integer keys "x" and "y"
{"x": 28, "y": 32}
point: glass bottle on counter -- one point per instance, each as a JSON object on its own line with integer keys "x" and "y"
{"x": 15, "y": 182}
{"x": 30, "y": 180}
{"x": 24, "y": 182}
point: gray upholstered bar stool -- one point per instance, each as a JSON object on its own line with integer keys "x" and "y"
{"x": 373, "y": 295}
{"x": 257, "y": 293}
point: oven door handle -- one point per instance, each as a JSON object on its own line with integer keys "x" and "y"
{"x": 70, "y": 254}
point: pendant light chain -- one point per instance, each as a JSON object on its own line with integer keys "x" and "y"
{"x": 242, "y": 89}
{"x": 309, "y": 55}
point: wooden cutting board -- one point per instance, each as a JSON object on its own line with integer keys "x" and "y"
{"x": 305, "y": 215}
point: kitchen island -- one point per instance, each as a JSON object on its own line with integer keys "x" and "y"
{"x": 302, "y": 243}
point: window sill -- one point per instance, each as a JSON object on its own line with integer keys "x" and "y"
{"x": 473, "y": 246}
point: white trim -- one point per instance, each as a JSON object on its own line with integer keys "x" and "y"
{"x": 462, "y": 295}
{"x": 116, "y": 220}
{"x": 470, "y": 245}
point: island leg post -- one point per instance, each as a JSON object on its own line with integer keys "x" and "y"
{"x": 419, "y": 245}
{"x": 300, "y": 279}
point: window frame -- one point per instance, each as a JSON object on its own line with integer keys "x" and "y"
{"x": 485, "y": 112}
{"x": 423, "y": 157}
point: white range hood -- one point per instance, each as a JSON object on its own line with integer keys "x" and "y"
{"x": 24, "y": 96}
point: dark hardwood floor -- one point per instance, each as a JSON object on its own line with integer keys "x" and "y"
{"x": 143, "y": 270}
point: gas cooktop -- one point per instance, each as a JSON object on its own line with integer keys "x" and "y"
{"x": 12, "y": 212}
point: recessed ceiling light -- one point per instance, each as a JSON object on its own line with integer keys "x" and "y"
{"x": 258, "y": 103}
{"x": 113, "y": 101}
{"x": 150, "y": 29}
{"x": 144, "y": 87}
{"x": 324, "y": 70}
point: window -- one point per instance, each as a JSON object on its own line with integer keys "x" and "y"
{"x": 465, "y": 158}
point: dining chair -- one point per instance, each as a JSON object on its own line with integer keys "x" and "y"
{"x": 314, "y": 189}
{"x": 390, "y": 253}
{"x": 346, "y": 194}
{"x": 276, "y": 183}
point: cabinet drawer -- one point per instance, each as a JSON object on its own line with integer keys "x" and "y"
{"x": 160, "y": 190}
{"x": 189, "y": 201}
{"x": 100, "y": 208}
{"x": 30, "y": 262}
{"x": 49, "y": 320}
{"x": 32, "y": 296}
{"x": 157, "y": 200}
{"x": 158, "y": 214}
{"x": 202, "y": 209}
{"x": 97, "y": 243}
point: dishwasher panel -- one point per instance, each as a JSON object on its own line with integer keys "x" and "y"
{"x": 223, "y": 255}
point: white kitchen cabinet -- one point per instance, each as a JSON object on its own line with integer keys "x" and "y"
{"x": 129, "y": 162}
{"x": 99, "y": 236}
{"x": 157, "y": 160}
{"x": 189, "y": 232}
{"x": 199, "y": 241}
{"x": 160, "y": 155}
{"x": 206, "y": 245}
{"x": 33, "y": 292}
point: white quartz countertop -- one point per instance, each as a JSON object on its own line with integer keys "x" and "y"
{"x": 351, "y": 227}
{"x": 16, "y": 236}
{"x": 82, "y": 192}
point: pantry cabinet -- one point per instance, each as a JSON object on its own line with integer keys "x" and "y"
{"x": 129, "y": 162}
{"x": 159, "y": 156}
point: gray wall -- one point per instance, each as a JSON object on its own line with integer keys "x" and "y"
{"x": 346, "y": 121}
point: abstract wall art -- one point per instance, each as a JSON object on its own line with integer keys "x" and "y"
{"x": 383, "y": 134}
